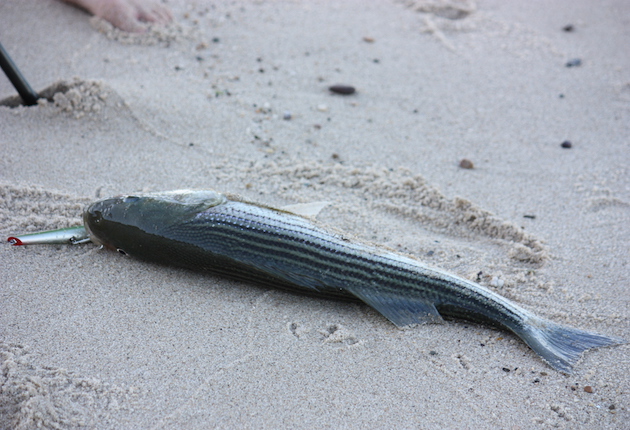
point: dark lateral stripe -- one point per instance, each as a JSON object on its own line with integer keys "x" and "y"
{"x": 304, "y": 250}
{"x": 295, "y": 251}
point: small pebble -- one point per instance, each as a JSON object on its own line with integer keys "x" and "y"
{"x": 215, "y": 40}
{"x": 466, "y": 164}
{"x": 433, "y": 353}
{"x": 345, "y": 90}
{"x": 588, "y": 389}
{"x": 529, "y": 216}
{"x": 335, "y": 156}
{"x": 611, "y": 407}
{"x": 322, "y": 108}
{"x": 566, "y": 144}
{"x": 497, "y": 282}
{"x": 568, "y": 28}
{"x": 287, "y": 116}
{"x": 536, "y": 381}
{"x": 506, "y": 370}
{"x": 576, "y": 62}
{"x": 368, "y": 39}
{"x": 430, "y": 253}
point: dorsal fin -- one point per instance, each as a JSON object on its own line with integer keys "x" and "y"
{"x": 311, "y": 209}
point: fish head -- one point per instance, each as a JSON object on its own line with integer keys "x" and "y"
{"x": 114, "y": 221}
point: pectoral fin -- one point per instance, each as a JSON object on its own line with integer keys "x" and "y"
{"x": 402, "y": 311}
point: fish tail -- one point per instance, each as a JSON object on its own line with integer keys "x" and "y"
{"x": 562, "y": 346}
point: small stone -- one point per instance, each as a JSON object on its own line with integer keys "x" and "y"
{"x": 566, "y": 144}
{"x": 612, "y": 407}
{"x": 506, "y": 370}
{"x": 335, "y": 156}
{"x": 576, "y": 62}
{"x": 536, "y": 381}
{"x": 215, "y": 40}
{"x": 497, "y": 282}
{"x": 433, "y": 353}
{"x": 466, "y": 164}
{"x": 568, "y": 28}
{"x": 588, "y": 389}
{"x": 322, "y": 108}
{"x": 368, "y": 39}
{"x": 345, "y": 90}
{"x": 287, "y": 116}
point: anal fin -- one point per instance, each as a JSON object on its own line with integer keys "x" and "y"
{"x": 402, "y": 311}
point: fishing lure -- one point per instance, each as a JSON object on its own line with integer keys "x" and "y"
{"x": 206, "y": 230}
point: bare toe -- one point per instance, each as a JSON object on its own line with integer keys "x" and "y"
{"x": 122, "y": 14}
{"x": 128, "y": 15}
{"x": 155, "y": 14}
{"x": 162, "y": 15}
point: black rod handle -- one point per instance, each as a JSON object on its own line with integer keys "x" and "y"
{"x": 10, "y": 69}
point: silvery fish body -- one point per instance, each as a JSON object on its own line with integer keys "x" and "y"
{"x": 205, "y": 230}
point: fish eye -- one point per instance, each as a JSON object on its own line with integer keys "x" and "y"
{"x": 121, "y": 251}
{"x": 98, "y": 217}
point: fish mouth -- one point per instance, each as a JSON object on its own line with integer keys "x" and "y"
{"x": 95, "y": 239}
{"x": 90, "y": 234}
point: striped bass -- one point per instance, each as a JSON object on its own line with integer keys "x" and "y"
{"x": 206, "y": 230}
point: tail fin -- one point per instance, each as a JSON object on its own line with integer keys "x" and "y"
{"x": 562, "y": 346}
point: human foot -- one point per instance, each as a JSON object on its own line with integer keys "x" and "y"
{"x": 128, "y": 15}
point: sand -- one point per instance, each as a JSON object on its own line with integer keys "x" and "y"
{"x": 90, "y": 339}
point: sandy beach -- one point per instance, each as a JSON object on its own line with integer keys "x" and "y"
{"x": 233, "y": 96}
